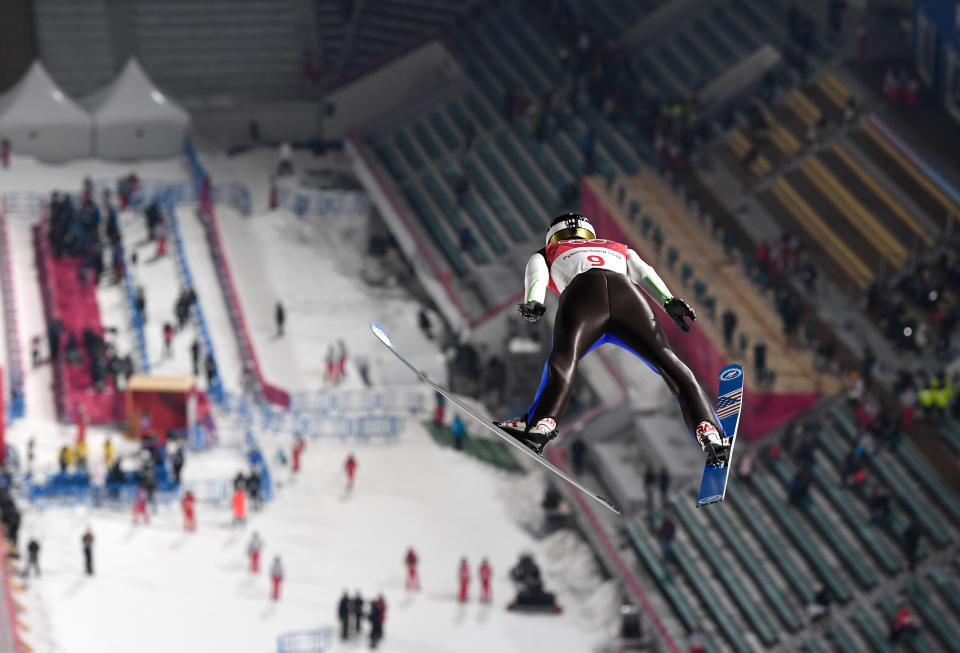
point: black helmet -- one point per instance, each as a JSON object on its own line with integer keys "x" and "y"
{"x": 568, "y": 226}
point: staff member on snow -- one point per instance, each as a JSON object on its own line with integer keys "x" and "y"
{"x": 597, "y": 281}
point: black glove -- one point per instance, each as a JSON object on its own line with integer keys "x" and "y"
{"x": 532, "y": 310}
{"x": 677, "y": 309}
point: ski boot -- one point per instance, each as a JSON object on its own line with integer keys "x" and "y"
{"x": 534, "y": 438}
{"x": 712, "y": 444}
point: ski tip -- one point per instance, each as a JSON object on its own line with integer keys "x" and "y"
{"x": 610, "y": 505}
{"x": 381, "y": 333}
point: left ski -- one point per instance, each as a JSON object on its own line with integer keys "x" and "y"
{"x": 381, "y": 334}
{"x": 713, "y": 485}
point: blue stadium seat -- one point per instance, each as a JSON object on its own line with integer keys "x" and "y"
{"x": 871, "y": 632}
{"x": 500, "y": 209}
{"x": 480, "y": 217}
{"x": 784, "y": 515}
{"x": 934, "y": 619}
{"x": 436, "y": 230}
{"x": 547, "y": 199}
{"x": 409, "y": 151}
{"x": 718, "y": 45}
{"x": 734, "y": 30}
{"x": 518, "y": 29}
{"x": 533, "y": 217}
{"x": 729, "y": 577}
{"x": 841, "y": 639}
{"x": 426, "y": 140}
{"x": 443, "y": 200}
{"x": 392, "y": 161}
{"x": 774, "y": 547}
{"x": 443, "y": 128}
{"x": 849, "y": 554}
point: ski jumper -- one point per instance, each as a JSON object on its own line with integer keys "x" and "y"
{"x": 600, "y": 302}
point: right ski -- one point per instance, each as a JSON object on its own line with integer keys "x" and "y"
{"x": 381, "y": 334}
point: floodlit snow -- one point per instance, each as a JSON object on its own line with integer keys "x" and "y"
{"x": 169, "y": 590}
{"x": 160, "y": 589}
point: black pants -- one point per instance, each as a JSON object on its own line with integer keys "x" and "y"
{"x": 605, "y": 306}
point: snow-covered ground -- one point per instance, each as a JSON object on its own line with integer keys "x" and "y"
{"x": 160, "y": 589}
{"x": 168, "y": 590}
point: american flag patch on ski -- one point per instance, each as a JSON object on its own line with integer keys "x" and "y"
{"x": 729, "y": 403}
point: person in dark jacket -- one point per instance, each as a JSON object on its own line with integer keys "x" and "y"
{"x": 176, "y": 460}
{"x": 253, "y": 489}
{"x": 87, "y": 541}
{"x": 343, "y": 613}
{"x": 33, "y": 557}
{"x": 376, "y": 623}
{"x": 280, "y": 316}
{"x": 357, "y": 612}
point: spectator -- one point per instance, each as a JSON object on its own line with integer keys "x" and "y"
{"x": 87, "y": 542}
{"x": 239, "y": 505}
{"x": 285, "y": 164}
{"x": 253, "y": 489}
{"x": 854, "y": 386}
{"x": 376, "y": 622}
{"x": 410, "y": 560}
{"x": 911, "y": 543}
{"x": 350, "y": 466}
{"x": 254, "y": 546}
{"x": 696, "y": 642}
{"x": 800, "y": 487}
{"x": 441, "y": 404}
{"x": 729, "y": 319}
{"x": 5, "y": 153}
{"x": 879, "y": 507}
{"x": 167, "y": 340}
{"x": 343, "y": 614}
{"x": 485, "y": 574}
{"x": 649, "y": 486}
{"x": 745, "y": 468}
{"x": 664, "y": 485}
{"x": 279, "y": 317}
{"x": 176, "y": 462}
{"x": 820, "y": 605}
{"x": 211, "y": 368}
{"x": 760, "y": 360}
{"x": 298, "y": 446}
{"x": 578, "y": 451}
{"x": 276, "y": 577}
{"x": 140, "y": 506}
{"x": 464, "y": 580}
{"x": 667, "y": 532}
{"x": 467, "y": 240}
{"x": 195, "y": 356}
{"x": 357, "y": 612}
{"x": 33, "y": 557}
{"x": 588, "y": 149}
{"x": 188, "y": 503}
{"x": 902, "y": 623}
{"x": 108, "y": 453}
{"x": 458, "y": 431}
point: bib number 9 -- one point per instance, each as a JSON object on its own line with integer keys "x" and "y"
{"x": 595, "y": 260}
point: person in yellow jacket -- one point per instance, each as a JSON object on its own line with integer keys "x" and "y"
{"x": 81, "y": 452}
{"x": 108, "y": 453}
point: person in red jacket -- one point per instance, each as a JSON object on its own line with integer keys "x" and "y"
{"x": 413, "y": 581}
{"x": 464, "y": 580}
{"x": 188, "y": 503}
{"x": 351, "y": 468}
{"x": 298, "y": 448}
{"x": 253, "y": 550}
{"x": 276, "y": 576}
{"x": 485, "y": 573}
{"x": 239, "y": 504}
{"x": 140, "y": 506}
{"x": 902, "y": 623}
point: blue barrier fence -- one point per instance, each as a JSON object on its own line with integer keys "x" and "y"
{"x": 318, "y": 640}
{"x": 215, "y": 389}
{"x": 14, "y": 389}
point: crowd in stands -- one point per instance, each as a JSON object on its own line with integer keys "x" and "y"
{"x": 920, "y": 311}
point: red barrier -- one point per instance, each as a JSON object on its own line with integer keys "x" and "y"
{"x": 271, "y": 393}
{"x": 763, "y": 411}
{"x": 9, "y": 613}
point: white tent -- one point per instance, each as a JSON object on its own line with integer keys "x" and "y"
{"x": 133, "y": 119}
{"x": 39, "y": 119}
